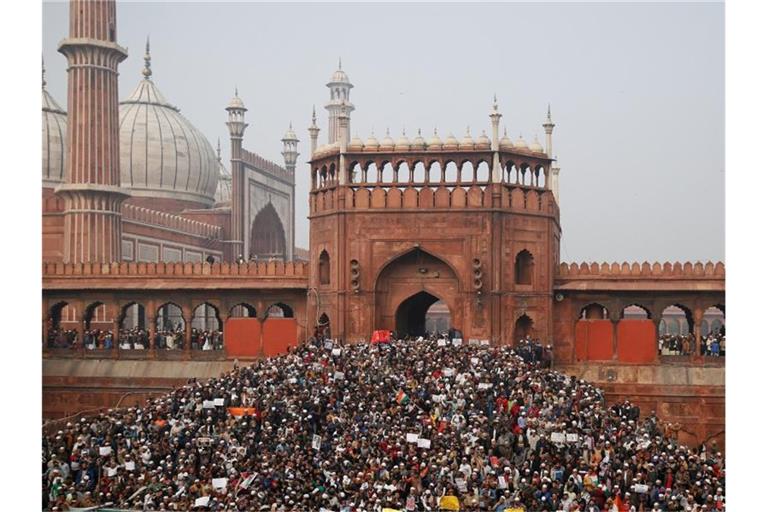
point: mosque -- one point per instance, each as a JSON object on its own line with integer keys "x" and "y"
{"x": 144, "y": 227}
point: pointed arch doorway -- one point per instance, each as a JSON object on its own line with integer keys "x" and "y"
{"x": 408, "y": 285}
{"x": 411, "y": 314}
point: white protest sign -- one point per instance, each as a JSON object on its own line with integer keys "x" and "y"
{"x": 105, "y": 450}
{"x": 572, "y": 438}
{"x": 316, "y": 441}
{"x": 338, "y": 376}
{"x": 424, "y": 443}
{"x": 484, "y": 385}
{"x": 336, "y": 352}
{"x": 475, "y": 361}
{"x": 328, "y": 345}
{"x": 641, "y": 488}
{"x": 457, "y": 342}
{"x": 557, "y": 437}
{"x": 218, "y": 402}
{"x": 485, "y": 343}
{"x": 202, "y": 501}
{"x": 502, "y": 483}
{"x": 440, "y": 343}
{"x": 111, "y": 471}
{"x": 219, "y": 483}
{"x": 411, "y": 438}
{"x": 130, "y": 465}
{"x": 448, "y": 372}
{"x": 208, "y": 404}
{"x": 461, "y": 484}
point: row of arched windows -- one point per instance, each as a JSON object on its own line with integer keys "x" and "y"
{"x": 520, "y": 174}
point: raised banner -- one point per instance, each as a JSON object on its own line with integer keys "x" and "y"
{"x": 241, "y": 411}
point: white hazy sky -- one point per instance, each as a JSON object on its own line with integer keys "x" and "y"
{"x": 637, "y": 94}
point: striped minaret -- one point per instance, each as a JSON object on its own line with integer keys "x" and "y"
{"x": 91, "y": 190}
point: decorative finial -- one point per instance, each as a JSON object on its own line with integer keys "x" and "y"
{"x": 44, "y": 82}
{"x": 495, "y": 103}
{"x": 549, "y": 113}
{"x": 467, "y": 130}
{"x": 387, "y": 131}
{"x": 235, "y": 91}
{"x": 218, "y": 149}
{"x": 505, "y": 131}
{"x": 147, "y": 71}
{"x": 403, "y": 131}
{"x": 339, "y": 63}
{"x": 418, "y": 131}
{"x": 290, "y": 125}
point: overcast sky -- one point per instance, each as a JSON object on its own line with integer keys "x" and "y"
{"x": 637, "y": 94}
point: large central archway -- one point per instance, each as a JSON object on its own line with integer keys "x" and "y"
{"x": 408, "y": 285}
{"x": 411, "y": 315}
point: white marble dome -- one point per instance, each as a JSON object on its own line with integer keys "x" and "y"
{"x": 162, "y": 155}
{"x": 54, "y": 141}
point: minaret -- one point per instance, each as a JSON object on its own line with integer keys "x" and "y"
{"x": 91, "y": 191}
{"x": 290, "y": 149}
{"x": 313, "y": 131}
{"x": 290, "y": 156}
{"x": 338, "y": 105}
{"x": 548, "y": 126}
{"x": 236, "y": 123}
{"x": 555, "y": 184}
{"x": 495, "y": 115}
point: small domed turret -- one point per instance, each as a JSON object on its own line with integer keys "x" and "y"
{"x": 520, "y": 143}
{"x": 418, "y": 143}
{"x": 387, "y": 143}
{"x": 506, "y": 142}
{"x": 483, "y": 142}
{"x": 451, "y": 142}
{"x": 403, "y": 144}
{"x": 535, "y": 146}
{"x": 435, "y": 142}
{"x": 356, "y": 144}
{"x": 467, "y": 142}
{"x": 371, "y": 144}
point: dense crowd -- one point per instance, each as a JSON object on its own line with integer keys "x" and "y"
{"x": 62, "y": 338}
{"x": 712, "y": 345}
{"x": 207, "y": 339}
{"x": 430, "y": 425}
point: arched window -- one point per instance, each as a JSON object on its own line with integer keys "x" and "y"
{"x": 483, "y": 172}
{"x": 435, "y": 172}
{"x": 133, "y": 316}
{"x": 524, "y": 268}
{"x": 420, "y": 173}
{"x": 357, "y": 174}
{"x": 95, "y": 313}
{"x": 451, "y": 172}
{"x": 242, "y": 310}
{"x": 324, "y": 268}
{"x": 635, "y": 312}
{"x": 205, "y": 317}
{"x": 279, "y": 310}
{"x": 467, "y": 172}
{"x": 523, "y": 327}
{"x": 170, "y": 318}
{"x": 402, "y": 173}
{"x": 388, "y": 173}
{"x": 594, "y": 311}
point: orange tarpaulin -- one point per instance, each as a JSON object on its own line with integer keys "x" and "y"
{"x": 594, "y": 340}
{"x": 636, "y": 341}
{"x": 242, "y": 337}
{"x": 241, "y": 411}
{"x": 278, "y": 334}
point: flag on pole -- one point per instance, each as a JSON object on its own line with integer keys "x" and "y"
{"x": 401, "y": 398}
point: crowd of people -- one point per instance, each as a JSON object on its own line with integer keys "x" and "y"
{"x": 207, "y": 339}
{"x": 426, "y": 425}
{"x": 711, "y": 345}
{"x": 62, "y": 338}
{"x": 676, "y": 344}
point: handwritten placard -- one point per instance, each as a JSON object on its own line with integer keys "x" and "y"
{"x": 572, "y": 438}
{"x": 130, "y": 465}
{"x": 111, "y": 471}
{"x": 202, "y": 501}
{"x": 457, "y": 342}
{"x": 412, "y": 438}
{"x": 484, "y": 343}
{"x": 208, "y": 404}
{"x": 557, "y": 437}
{"x": 218, "y": 402}
{"x": 440, "y": 343}
{"x": 105, "y": 450}
{"x": 424, "y": 443}
{"x": 338, "y": 376}
{"x": 219, "y": 483}
{"x": 316, "y": 441}
{"x": 336, "y": 352}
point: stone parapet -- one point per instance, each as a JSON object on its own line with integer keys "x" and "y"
{"x": 133, "y": 213}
